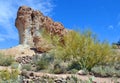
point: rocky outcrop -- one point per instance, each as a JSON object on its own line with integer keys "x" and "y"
{"x": 31, "y": 22}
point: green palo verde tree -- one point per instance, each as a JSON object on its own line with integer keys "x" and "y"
{"x": 81, "y": 47}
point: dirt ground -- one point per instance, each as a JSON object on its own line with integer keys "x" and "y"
{"x": 82, "y": 77}
{"x": 87, "y": 77}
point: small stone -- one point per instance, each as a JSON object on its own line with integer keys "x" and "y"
{"x": 58, "y": 80}
{"x": 31, "y": 74}
{"x": 82, "y": 72}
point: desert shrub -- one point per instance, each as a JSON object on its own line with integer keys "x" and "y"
{"x": 117, "y": 66}
{"x": 72, "y": 71}
{"x": 59, "y": 69}
{"x": 41, "y": 64}
{"x": 105, "y": 71}
{"x": 83, "y": 47}
{"x": 59, "y": 66}
{"x": 14, "y": 65}
{"x": 6, "y": 60}
{"x": 74, "y": 65}
{"x": 9, "y": 76}
{"x": 48, "y": 57}
{"x": 116, "y": 56}
{"x": 44, "y": 61}
{"x": 51, "y": 39}
{"x": 26, "y": 67}
{"x": 5, "y": 75}
{"x": 14, "y": 74}
{"x": 114, "y": 46}
{"x": 74, "y": 79}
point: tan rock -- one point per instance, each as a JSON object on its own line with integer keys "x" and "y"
{"x": 41, "y": 44}
{"x": 30, "y": 23}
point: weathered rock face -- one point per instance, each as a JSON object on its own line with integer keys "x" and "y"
{"x": 30, "y": 22}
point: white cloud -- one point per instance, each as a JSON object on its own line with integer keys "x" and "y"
{"x": 111, "y": 27}
{"x": 8, "y": 11}
{"x": 115, "y": 26}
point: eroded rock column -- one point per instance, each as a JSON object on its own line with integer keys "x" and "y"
{"x": 24, "y": 25}
{"x": 29, "y": 23}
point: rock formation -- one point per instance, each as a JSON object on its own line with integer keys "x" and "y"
{"x": 30, "y": 23}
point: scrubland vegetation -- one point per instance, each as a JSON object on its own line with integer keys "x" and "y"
{"x": 82, "y": 50}
{"x": 77, "y": 51}
{"x": 6, "y": 60}
{"x": 9, "y": 76}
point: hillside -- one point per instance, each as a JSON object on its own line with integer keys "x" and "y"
{"x": 49, "y": 53}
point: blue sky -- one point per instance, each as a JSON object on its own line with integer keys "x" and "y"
{"x": 101, "y": 16}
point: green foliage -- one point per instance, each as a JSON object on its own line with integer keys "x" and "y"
{"x": 41, "y": 65}
{"x": 14, "y": 65}
{"x": 74, "y": 65}
{"x": 116, "y": 56}
{"x": 59, "y": 66}
{"x": 114, "y": 46}
{"x": 59, "y": 69}
{"x": 51, "y": 39}
{"x": 47, "y": 57}
{"x": 6, "y": 60}
{"x": 4, "y": 75}
{"x": 84, "y": 48}
{"x": 14, "y": 74}
{"x": 43, "y": 62}
{"x": 7, "y": 76}
{"x": 75, "y": 79}
{"x": 105, "y": 71}
{"x": 73, "y": 71}
{"x": 26, "y": 67}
